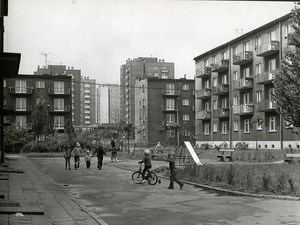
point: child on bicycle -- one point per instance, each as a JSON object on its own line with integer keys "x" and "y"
{"x": 147, "y": 162}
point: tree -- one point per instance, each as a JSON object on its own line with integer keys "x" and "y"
{"x": 39, "y": 117}
{"x": 16, "y": 135}
{"x": 287, "y": 79}
{"x": 69, "y": 130}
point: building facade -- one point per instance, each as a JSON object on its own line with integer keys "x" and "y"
{"x": 25, "y": 91}
{"x": 164, "y": 111}
{"x": 139, "y": 68}
{"x": 233, "y": 90}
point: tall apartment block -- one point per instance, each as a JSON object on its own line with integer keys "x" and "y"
{"x": 25, "y": 91}
{"x": 234, "y": 90}
{"x": 160, "y": 103}
{"x": 139, "y": 68}
{"x": 83, "y": 94}
{"x": 108, "y": 104}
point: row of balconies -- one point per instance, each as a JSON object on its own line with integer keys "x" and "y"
{"x": 29, "y": 90}
{"x": 28, "y": 108}
{"x": 240, "y": 110}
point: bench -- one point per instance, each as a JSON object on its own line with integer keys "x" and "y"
{"x": 290, "y": 158}
{"x": 158, "y": 156}
{"x": 228, "y": 154}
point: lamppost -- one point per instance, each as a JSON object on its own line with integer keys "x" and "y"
{"x": 128, "y": 129}
{"x": 177, "y": 127}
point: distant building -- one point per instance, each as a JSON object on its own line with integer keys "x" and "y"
{"x": 108, "y": 104}
{"x": 25, "y": 91}
{"x": 161, "y": 104}
{"x": 135, "y": 69}
{"x": 234, "y": 90}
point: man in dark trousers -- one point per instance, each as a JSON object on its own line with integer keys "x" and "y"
{"x": 171, "y": 160}
{"x": 100, "y": 152}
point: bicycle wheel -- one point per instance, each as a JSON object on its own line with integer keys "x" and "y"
{"x": 152, "y": 178}
{"x": 137, "y": 177}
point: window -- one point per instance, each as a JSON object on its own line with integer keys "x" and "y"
{"x": 246, "y": 72}
{"x": 59, "y": 104}
{"x": 258, "y": 68}
{"x": 259, "y": 124}
{"x": 185, "y": 102}
{"x": 186, "y": 133}
{"x": 4, "y": 83}
{"x": 21, "y": 121}
{"x": 213, "y": 60}
{"x": 246, "y": 98}
{"x": 258, "y": 41}
{"x": 215, "y": 82}
{"x": 156, "y": 74}
{"x": 288, "y": 29}
{"x": 170, "y": 118}
{"x": 40, "y": 84}
{"x": 186, "y": 117}
{"x": 224, "y": 103}
{"x": 164, "y": 76}
{"x": 170, "y": 104}
{"x": 59, "y": 87}
{"x": 206, "y": 62}
{"x": 272, "y": 65}
{"x": 235, "y": 75}
{"x": 59, "y": 122}
{"x": 206, "y": 129}
{"x": 272, "y": 36}
{"x": 224, "y": 127}
{"x": 246, "y": 46}
{"x": 206, "y": 84}
{"x": 235, "y": 126}
{"x": 247, "y": 126}
{"x": 185, "y": 87}
{"x": 4, "y": 101}
{"x": 20, "y": 104}
{"x": 87, "y": 85}
{"x": 20, "y": 86}
{"x": 223, "y": 55}
{"x": 272, "y": 124}
{"x": 215, "y": 127}
{"x": 215, "y": 104}
{"x": 144, "y": 102}
{"x": 258, "y": 96}
{"x": 170, "y": 89}
{"x": 224, "y": 79}
{"x": 149, "y": 74}
{"x": 235, "y": 50}
{"x": 41, "y": 137}
{"x": 235, "y": 100}
{"x": 206, "y": 106}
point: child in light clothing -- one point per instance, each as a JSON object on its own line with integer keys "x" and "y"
{"x": 88, "y": 159}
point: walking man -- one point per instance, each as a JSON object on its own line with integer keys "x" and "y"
{"x": 173, "y": 172}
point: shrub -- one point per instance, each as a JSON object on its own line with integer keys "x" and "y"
{"x": 242, "y": 145}
{"x": 266, "y": 181}
{"x": 231, "y": 175}
{"x": 204, "y": 146}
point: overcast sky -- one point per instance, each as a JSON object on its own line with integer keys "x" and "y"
{"x": 97, "y": 36}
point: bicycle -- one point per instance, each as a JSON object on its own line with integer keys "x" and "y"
{"x": 137, "y": 176}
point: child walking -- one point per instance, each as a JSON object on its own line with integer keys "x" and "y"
{"x": 88, "y": 158}
{"x": 77, "y": 152}
{"x": 67, "y": 156}
{"x": 173, "y": 172}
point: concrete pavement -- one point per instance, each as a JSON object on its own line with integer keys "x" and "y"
{"x": 48, "y": 202}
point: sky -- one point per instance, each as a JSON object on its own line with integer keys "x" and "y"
{"x": 98, "y": 36}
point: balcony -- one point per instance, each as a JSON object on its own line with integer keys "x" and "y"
{"x": 220, "y": 66}
{"x": 266, "y": 105}
{"x": 266, "y": 77}
{"x": 221, "y": 113}
{"x": 244, "y": 109}
{"x": 203, "y": 115}
{"x": 20, "y": 108}
{"x": 267, "y": 48}
{"x": 168, "y": 109}
{"x": 221, "y": 90}
{"x": 243, "y": 84}
{"x": 203, "y": 72}
{"x": 170, "y": 92}
{"x": 205, "y": 93}
{"x": 243, "y": 58}
{"x": 59, "y": 91}
{"x": 57, "y": 109}
{"x": 20, "y": 90}
{"x": 292, "y": 40}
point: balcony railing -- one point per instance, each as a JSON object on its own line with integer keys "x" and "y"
{"x": 244, "y": 109}
{"x": 243, "y": 84}
{"x": 203, "y": 72}
{"x": 242, "y": 58}
{"x": 221, "y": 90}
{"x": 220, "y": 66}
{"x": 267, "y": 48}
{"x": 266, "y": 105}
{"x": 170, "y": 92}
{"x": 169, "y": 109}
{"x": 20, "y": 108}
{"x": 205, "y": 93}
{"x": 221, "y": 113}
{"x": 59, "y": 91}
{"x": 266, "y": 77}
{"x": 57, "y": 109}
{"x": 203, "y": 115}
{"x": 21, "y": 90}
{"x": 292, "y": 40}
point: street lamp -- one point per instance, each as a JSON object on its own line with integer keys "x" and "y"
{"x": 177, "y": 112}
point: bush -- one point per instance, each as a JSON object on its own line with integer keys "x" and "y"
{"x": 242, "y": 145}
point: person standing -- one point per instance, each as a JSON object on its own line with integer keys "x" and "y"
{"x": 100, "y": 153}
{"x": 67, "y": 156}
{"x": 113, "y": 151}
{"x": 77, "y": 152}
{"x": 173, "y": 172}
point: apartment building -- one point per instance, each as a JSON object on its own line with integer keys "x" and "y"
{"x": 108, "y": 104}
{"x": 233, "y": 90}
{"x": 139, "y": 68}
{"x": 25, "y": 91}
{"x": 161, "y": 104}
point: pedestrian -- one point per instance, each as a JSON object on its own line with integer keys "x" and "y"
{"x": 113, "y": 151}
{"x": 88, "y": 159}
{"x": 158, "y": 147}
{"x": 67, "y": 155}
{"x": 173, "y": 171}
{"x": 147, "y": 163}
{"x": 100, "y": 152}
{"x": 77, "y": 152}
